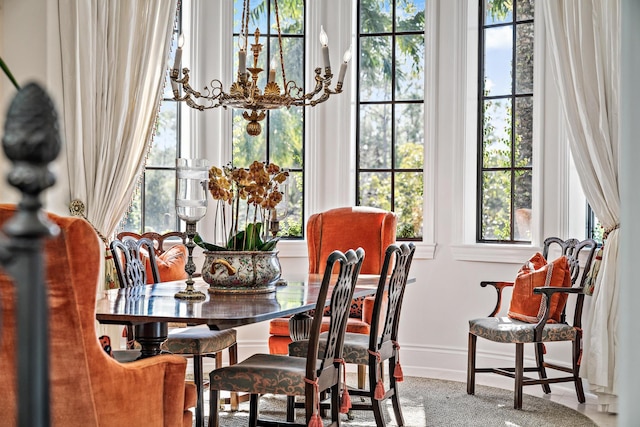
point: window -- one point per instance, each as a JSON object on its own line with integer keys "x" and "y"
{"x": 153, "y": 206}
{"x": 282, "y": 138}
{"x": 595, "y": 230}
{"x": 390, "y": 118}
{"x": 505, "y": 121}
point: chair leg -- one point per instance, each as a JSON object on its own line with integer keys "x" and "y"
{"x": 197, "y": 378}
{"x": 214, "y": 408}
{"x": 376, "y": 405}
{"x": 576, "y": 370}
{"x": 253, "y": 410}
{"x": 362, "y": 376}
{"x": 233, "y": 359}
{"x": 519, "y": 374}
{"x": 335, "y": 405}
{"x": 395, "y": 399}
{"x": 542, "y": 372}
{"x": 291, "y": 409}
{"x": 471, "y": 364}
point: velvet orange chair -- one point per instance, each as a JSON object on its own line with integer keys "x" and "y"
{"x": 87, "y": 386}
{"x": 373, "y": 230}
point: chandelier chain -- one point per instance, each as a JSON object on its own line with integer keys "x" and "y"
{"x": 284, "y": 77}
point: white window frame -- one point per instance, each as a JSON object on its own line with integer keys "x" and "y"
{"x": 551, "y": 166}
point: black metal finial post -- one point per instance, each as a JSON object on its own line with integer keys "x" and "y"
{"x": 31, "y": 141}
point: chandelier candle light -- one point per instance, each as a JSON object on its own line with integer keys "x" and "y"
{"x": 245, "y": 94}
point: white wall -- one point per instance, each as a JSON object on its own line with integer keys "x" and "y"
{"x": 446, "y": 293}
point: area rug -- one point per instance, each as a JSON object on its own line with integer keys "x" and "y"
{"x": 439, "y": 403}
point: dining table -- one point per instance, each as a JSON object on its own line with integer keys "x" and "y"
{"x": 151, "y": 308}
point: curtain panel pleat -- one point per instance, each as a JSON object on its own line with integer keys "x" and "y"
{"x": 584, "y": 41}
{"x": 114, "y": 55}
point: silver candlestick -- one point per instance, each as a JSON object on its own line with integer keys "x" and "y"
{"x": 191, "y": 206}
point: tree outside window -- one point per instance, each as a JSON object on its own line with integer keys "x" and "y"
{"x": 390, "y": 120}
{"x": 505, "y": 121}
{"x": 282, "y": 138}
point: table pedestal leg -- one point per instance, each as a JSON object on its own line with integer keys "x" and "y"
{"x": 150, "y": 336}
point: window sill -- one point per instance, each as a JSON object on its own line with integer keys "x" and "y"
{"x": 508, "y": 254}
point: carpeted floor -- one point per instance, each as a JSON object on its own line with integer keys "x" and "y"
{"x": 439, "y": 403}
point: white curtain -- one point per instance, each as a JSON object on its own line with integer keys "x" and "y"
{"x": 584, "y": 40}
{"x": 114, "y": 55}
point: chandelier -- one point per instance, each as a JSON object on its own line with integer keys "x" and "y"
{"x": 245, "y": 93}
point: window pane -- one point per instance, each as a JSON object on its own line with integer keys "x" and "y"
{"x": 257, "y": 16}
{"x": 133, "y": 218}
{"x": 375, "y": 16}
{"x": 291, "y": 17}
{"x": 163, "y": 151}
{"x": 497, "y": 61}
{"x": 498, "y": 11}
{"x": 293, "y": 49}
{"x": 408, "y": 204}
{"x": 291, "y": 226}
{"x": 497, "y": 133}
{"x": 409, "y": 67}
{"x": 375, "y": 190}
{"x": 522, "y": 205}
{"x": 409, "y": 136}
{"x": 496, "y": 205}
{"x": 286, "y": 136}
{"x": 410, "y": 15}
{"x": 375, "y": 136}
{"x": 524, "y": 58}
{"x": 247, "y": 148}
{"x": 159, "y": 206}
{"x": 375, "y": 69}
{"x": 524, "y": 9}
{"x": 524, "y": 131}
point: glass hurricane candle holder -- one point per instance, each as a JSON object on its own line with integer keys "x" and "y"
{"x": 191, "y": 206}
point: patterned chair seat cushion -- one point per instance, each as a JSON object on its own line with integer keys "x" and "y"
{"x": 507, "y": 330}
{"x": 354, "y": 349}
{"x": 263, "y": 373}
{"x": 198, "y": 340}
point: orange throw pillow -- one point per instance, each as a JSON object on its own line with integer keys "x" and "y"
{"x": 170, "y": 264}
{"x": 536, "y": 273}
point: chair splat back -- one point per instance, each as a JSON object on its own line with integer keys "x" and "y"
{"x": 572, "y": 249}
{"x": 157, "y": 238}
{"x": 342, "y": 293}
{"x": 130, "y": 257}
{"x": 395, "y": 293}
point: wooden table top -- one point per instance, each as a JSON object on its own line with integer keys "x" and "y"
{"x": 156, "y": 303}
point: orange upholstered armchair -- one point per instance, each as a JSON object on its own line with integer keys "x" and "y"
{"x": 340, "y": 229}
{"x": 87, "y": 387}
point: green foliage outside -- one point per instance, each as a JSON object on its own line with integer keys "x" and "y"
{"x": 507, "y": 137}
{"x": 391, "y": 123}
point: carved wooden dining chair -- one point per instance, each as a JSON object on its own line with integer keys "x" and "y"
{"x": 300, "y": 376}
{"x": 370, "y": 228}
{"x": 541, "y": 327}
{"x": 382, "y": 342}
{"x": 133, "y": 257}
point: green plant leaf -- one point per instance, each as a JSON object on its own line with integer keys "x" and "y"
{"x": 207, "y": 246}
{"x": 7, "y": 72}
{"x": 269, "y": 245}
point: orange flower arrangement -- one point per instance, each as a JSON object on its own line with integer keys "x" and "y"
{"x": 251, "y": 195}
